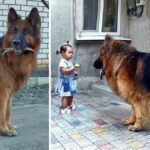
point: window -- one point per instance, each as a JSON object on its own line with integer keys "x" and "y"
{"x": 97, "y": 17}
{"x": 90, "y": 13}
{"x": 110, "y": 16}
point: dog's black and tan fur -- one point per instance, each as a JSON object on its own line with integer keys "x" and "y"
{"x": 128, "y": 74}
{"x": 18, "y": 51}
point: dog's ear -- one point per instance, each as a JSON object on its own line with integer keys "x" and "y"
{"x": 34, "y": 18}
{"x": 107, "y": 42}
{"x": 12, "y": 16}
{"x": 108, "y": 38}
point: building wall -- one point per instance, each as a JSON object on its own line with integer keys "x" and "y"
{"x": 63, "y": 29}
{"x": 87, "y": 51}
{"x": 140, "y": 30}
{"x": 23, "y": 8}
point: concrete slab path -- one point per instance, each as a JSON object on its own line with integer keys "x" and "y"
{"x": 95, "y": 125}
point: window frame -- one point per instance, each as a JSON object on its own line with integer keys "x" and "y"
{"x": 90, "y": 34}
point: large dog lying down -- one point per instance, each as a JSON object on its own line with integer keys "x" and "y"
{"x": 18, "y": 51}
{"x": 128, "y": 74}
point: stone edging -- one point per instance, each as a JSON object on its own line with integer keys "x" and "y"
{"x": 33, "y": 81}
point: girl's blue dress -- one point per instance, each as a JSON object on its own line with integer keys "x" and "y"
{"x": 67, "y": 84}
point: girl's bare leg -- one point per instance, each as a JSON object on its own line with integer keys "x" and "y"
{"x": 70, "y": 100}
{"x": 64, "y": 102}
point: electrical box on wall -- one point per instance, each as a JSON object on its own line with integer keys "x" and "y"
{"x": 140, "y": 2}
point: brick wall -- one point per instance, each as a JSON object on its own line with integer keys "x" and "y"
{"x": 23, "y": 8}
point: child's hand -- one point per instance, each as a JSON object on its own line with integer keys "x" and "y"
{"x": 72, "y": 69}
{"x": 75, "y": 69}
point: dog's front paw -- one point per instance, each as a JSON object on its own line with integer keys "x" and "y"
{"x": 12, "y": 133}
{"x": 124, "y": 121}
{"x": 9, "y": 133}
{"x": 134, "y": 128}
{"x": 12, "y": 127}
{"x": 127, "y": 122}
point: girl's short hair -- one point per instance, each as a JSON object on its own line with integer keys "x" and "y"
{"x": 63, "y": 48}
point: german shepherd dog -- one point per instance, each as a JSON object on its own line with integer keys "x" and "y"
{"x": 18, "y": 51}
{"x": 128, "y": 74}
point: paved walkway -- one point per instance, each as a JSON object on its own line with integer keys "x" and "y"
{"x": 30, "y": 114}
{"x": 32, "y": 123}
{"x": 95, "y": 125}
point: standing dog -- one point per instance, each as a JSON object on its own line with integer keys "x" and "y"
{"x": 18, "y": 51}
{"x": 128, "y": 74}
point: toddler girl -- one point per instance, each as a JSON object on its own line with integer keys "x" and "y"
{"x": 66, "y": 87}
